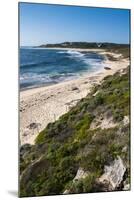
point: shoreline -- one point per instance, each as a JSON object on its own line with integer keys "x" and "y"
{"x": 82, "y": 75}
{"x": 98, "y": 51}
{"x": 73, "y": 49}
{"x": 42, "y": 105}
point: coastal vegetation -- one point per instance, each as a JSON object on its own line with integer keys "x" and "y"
{"x": 73, "y": 154}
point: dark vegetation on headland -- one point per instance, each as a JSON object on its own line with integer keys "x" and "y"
{"x": 78, "y": 141}
{"x": 110, "y": 47}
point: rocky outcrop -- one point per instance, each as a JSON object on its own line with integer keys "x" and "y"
{"x": 80, "y": 174}
{"x": 113, "y": 174}
{"x": 102, "y": 122}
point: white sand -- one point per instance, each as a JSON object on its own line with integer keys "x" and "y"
{"x": 43, "y": 105}
{"x": 73, "y": 49}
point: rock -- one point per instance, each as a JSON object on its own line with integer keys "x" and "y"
{"x": 75, "y": 88}
{"x": 95, "y": 93}
{"x": 126, "y": 187}
{"x": 80, "y": 174}
{"x": 25, "y": 133}
{"x": 103, "y": 122}
{"x": 124, "y": 150}
{"x": 126, "y": 120}
{"x": 86, "y": 82}
{"x": 66, "y": 192}
{"x": 113, "y": 174}
{"x": 33, "y": 125}
{"x": 107, "y": 68}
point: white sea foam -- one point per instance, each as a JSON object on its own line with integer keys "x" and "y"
{"x": 35, "y": 76}
{"x": 61, "y": 52}
{"x": 75, "y": 53}
{"x": 46, "y": 78}
{"x": 71, "y": 53}
{"x": 92, "y": 63}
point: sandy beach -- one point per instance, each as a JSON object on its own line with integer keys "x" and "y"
{"x": 73, "y": 49}
{"x": 40, "y": 106}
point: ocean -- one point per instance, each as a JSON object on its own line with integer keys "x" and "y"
{"x": 42, "y": 67}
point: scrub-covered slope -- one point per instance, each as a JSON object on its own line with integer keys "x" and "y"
{"x": 87, "y": 149}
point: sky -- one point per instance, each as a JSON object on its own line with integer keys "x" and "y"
{"x": 42, "y": 24}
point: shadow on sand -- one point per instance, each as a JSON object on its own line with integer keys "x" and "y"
{"x": 13, "y": 193}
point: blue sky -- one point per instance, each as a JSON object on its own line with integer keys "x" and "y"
{"x": 42, "y": 23}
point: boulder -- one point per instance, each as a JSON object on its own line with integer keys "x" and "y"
{"x": 113, "y": 174}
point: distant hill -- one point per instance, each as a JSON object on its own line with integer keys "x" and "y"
{"x": 84, "y": 45}
{"x": 124, "y": 49}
